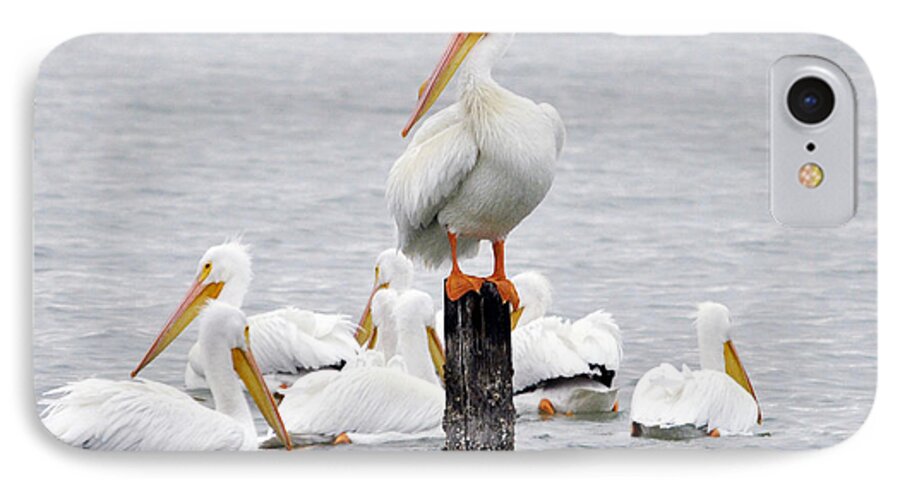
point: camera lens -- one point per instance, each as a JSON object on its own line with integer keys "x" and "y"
{"x": 810, "y": 100}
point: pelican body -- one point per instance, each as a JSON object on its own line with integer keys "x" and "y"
{"x": 717, "y": 400}
{"x": 287, "y": 341}
{"x": 141, "y": 415}
{"x": 474, "y": 170}
{"x": 367, "y": 400}
{"x": 562, "y": 366}
{"x": 390, "y": 392}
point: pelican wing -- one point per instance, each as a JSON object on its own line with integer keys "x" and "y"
{"x": 596, "y": 338}
{"x": 667, "y": 398}
{"x": 137, "y": 415}
{"x": 365, "y": 399}
{"x": 559, "y": 129}
{"x": 290, "y": 340}
{"x": 540, "y": 355}
{"x": 438, "y": 159}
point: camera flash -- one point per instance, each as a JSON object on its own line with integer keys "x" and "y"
{"x": 811, "y": 175}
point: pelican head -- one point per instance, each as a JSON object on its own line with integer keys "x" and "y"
{"x": 224, "y": 329}
{"x": 392, "y": 270}
{"x": 535, "y": 296}
{"x": 224, "y": 272}
{"x": 486, "y": 49}
{"x": 717, "y": 351}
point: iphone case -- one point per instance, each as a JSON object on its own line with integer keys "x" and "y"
{"x": 151, "y": 149}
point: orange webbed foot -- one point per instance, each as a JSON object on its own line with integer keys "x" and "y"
{"x": 507, "y": 290}
{"x": 341, "y": 438}
{"x": 458, "y": 284}
{"x": 545, "y": 407}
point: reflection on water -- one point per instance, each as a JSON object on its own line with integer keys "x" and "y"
{"x": 149, "y": 149}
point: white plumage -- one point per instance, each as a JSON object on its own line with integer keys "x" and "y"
{"x": 475, "y": 168}
{"x": 393, "y": 276}
{"x": 141, "y": 415}
{"x": 557, "y": 360}
{"x": 368, "y": 398}
{"x": 290, "y": 341}
{"x": 667, "y": 398}
{"x": 572, "y": 365}
{"x": 138, "y": 415}
{"x": 286, "y": 341}
{"x": 718, "y": 399}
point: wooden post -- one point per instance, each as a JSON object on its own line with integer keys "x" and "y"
{"x": 479, "y": 412}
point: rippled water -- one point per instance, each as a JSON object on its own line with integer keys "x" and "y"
{"x": 149, "y": 149}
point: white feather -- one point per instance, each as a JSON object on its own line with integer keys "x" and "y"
{"x": 666, "y": 398}
{"x": 539, "y": 354}
{"x": 138, "y": 415}
{"x": 143, "y": 415}
{"x": 708, "y": 399}
{"x": 440, "y": 156}
{"x": 559, "y": 128}
{"x": 476, "y": 168}
{"x": 365, "y": 399}
{"x": 285, "y": 341}
{"x": 595, "y": 338}
{"x": 561, "y": 360}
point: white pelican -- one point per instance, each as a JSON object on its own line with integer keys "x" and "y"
{"x": 141, "y": 415}
{"x": 392, "y": 286}
{"x": 368, "y": 399}
{"x": 475, "y": 169}
{"x": 562, "y": 366}
{"x": 717, "y": 400}
{"x": 286, "y": 341}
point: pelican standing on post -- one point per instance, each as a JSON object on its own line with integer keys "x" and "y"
{"x": 475, "y": 169}
{"x": 716, "y": 400}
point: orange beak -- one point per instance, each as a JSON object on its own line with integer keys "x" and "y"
{"x": 246, "y": 368}
{"x": 735, "y": 369}
{"x": 190, "y": 306}
{"x": 366, "y": 332}
{"x": 453, "y": 56}
{"x": 436, "y": 350}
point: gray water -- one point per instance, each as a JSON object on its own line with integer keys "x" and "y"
{"x": 149, "y": 149}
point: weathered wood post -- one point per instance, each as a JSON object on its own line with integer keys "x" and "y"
{"x": 479, "y": 412}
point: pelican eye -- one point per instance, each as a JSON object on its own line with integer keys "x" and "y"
{"x": 204, "y": 273}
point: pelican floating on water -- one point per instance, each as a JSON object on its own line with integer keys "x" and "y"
{"x": 393, "y": 280}
{"x": 286, "y": 341}
{"x": 562, "y": 366}
{"x": 141, "y": 415}
{"x": 475, "y": 169}
{"x": 370, "y": 399}
{"x": 716, "y": 400}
